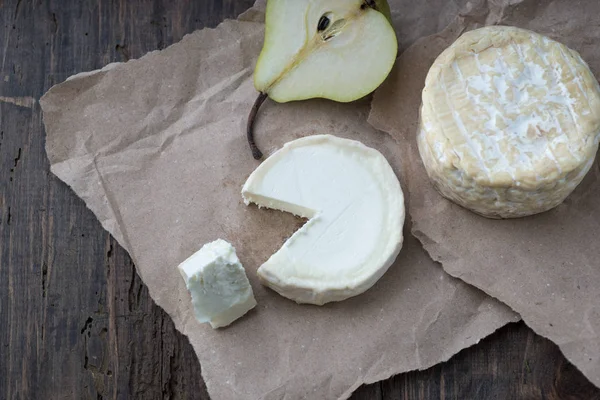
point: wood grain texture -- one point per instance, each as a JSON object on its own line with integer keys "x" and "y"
{"x": 76, "y": 322}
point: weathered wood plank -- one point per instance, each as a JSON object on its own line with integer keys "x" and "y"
{"x": 76, "y": 322}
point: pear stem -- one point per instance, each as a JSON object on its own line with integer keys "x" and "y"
{"x": 256, "y": 153}
{"x": 372, "y": 4}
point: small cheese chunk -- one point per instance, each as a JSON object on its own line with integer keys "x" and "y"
{"x": 355, "y": 207}
{"x": 510, "y": 122}
{"x": 217, "y": 282}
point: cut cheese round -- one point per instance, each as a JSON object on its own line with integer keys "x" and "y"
{"x": 355, "y": 210}
{"x": 509, "y": 122}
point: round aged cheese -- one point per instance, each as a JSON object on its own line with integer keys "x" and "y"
{"x": 509, "y": 122}
{"x": 355, "y": 209}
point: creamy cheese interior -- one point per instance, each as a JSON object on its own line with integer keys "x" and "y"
{"x": 218, "y": 285}
{"x": 355, "y": 208}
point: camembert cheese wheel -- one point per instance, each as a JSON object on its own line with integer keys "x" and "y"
{"x": 509, "y": 122}
{"x": 355, "y": 209}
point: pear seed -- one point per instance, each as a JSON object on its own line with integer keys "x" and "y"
{"x": 334, "y": 29}
{"x": 323, "y": 23}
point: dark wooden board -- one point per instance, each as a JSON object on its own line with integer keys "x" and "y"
{"x": 76, "y": 322}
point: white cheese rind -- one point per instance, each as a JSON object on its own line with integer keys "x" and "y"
{"x": 509, "y": 122}
{"x": 355, "y": 207}
{"x": 218, "y": 285}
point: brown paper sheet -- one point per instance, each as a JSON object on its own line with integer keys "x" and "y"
{"x": 157, "y": 150}
{"x": 546, "y": 267}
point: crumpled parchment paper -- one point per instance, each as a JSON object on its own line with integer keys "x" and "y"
{"x": 545, "y": 267}
{"x": 156, "y": 148}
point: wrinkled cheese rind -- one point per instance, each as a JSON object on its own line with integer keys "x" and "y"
{"x": 509, "y": 122}
{"x": 218, "y": 285}
{"x": 355, "y": 207}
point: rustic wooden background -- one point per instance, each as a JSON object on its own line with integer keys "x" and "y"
{"x": 76, "y": 322}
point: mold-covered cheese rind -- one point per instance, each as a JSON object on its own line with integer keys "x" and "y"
{"x": 509, "y": 122}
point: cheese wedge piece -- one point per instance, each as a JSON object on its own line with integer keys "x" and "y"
{"x": 355, "y": 207}
{"x": 510, "y": 122}
{"x": 217, "y": 282}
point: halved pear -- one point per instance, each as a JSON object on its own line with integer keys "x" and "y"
{"x": 340, "y": 50}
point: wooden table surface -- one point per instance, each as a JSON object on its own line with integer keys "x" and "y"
{"x": 76, "y": 322}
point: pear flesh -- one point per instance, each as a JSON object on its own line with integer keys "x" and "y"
{"x": 340, "y": 50}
